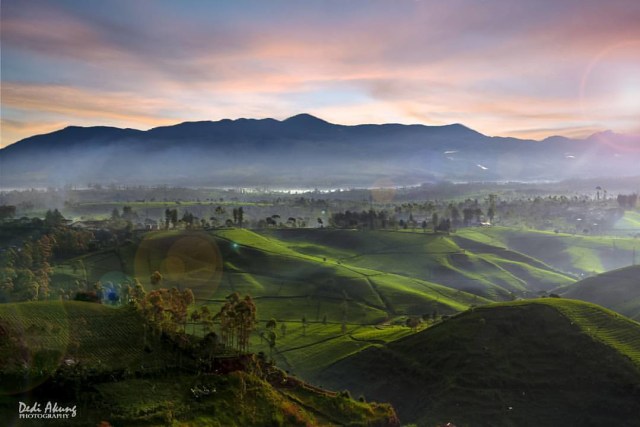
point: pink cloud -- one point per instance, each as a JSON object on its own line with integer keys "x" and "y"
{"x": 500, "y": 67}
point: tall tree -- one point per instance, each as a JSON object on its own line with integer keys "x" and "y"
{"x": 237, "y": 319}
{"x": 240, "y": 216}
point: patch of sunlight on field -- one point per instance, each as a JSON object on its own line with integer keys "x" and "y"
{"x": 630, "y": 221}
{"x": 585, "y": 259}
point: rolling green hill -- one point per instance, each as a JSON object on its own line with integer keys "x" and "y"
{"x": 618, "y": 290}
{"x": 364, "y": 280}
{"x": 286, "y": 283}
{"x": 457, "y": 262}
{"x": 528, "y": 363}
{"x": 95, "y": 357}
{"x": 629, "y": 222}
{"x": 46, "y": 335}
{"x": 578, "y": 255}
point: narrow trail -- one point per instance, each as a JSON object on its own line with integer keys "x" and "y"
{"x": 310, "y": 344}
{"x": 371, "y": 341}
{"x": 384, "y": 299}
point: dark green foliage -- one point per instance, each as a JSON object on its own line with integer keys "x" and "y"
{"x": 617, "y": 290}
{"x": 237, "y": 319}
{"x": 555, "y": 361}
{"x": 7, "y": 212}
{"x": 90, "y": 360}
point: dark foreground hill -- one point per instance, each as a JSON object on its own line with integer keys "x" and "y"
{"x": 100, "y": 360}
{"x": 618, "y": 290}
{"x": 304, "y": 152}
{"x": 530, "y": 363}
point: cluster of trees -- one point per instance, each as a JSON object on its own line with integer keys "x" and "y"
{"x": 25, "y": 267}
{"x": 628, "y": 201}
{"x": 371, "y": 219}
{"x": 170, "y": 217}
{"x": 7, "y": 212}
{"x": 237, "y": 319}
{"x": 53, "y": 218}
{"x": 126, "y": 219}
{"x": 25, "y": 271}
{"x": 70, "y": 242}
{"x": 238, "y": 216}
{"x": 164, "y": 309}
{"x": 276, "y": 221}
{"x": 437, "y": 217}
{"x": 190, "y": 221}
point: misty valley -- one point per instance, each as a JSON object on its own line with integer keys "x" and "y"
{"x": 466, "y": 304}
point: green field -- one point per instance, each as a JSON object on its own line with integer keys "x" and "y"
{"x": 574, "y": 254}
{"x": 618, "y": 290}
{"x": 46, "y": 335}
{"x": 307, "y": 353}
{"x": 534, "y": 362}
{"x": 629, "y": 222}
{"x": 356, "y": 290}
{"x": 450, "y": 260}
{"x": 362, "y": 279}
{"x": 114, "y": 374}
{"x": 287, "y": 284}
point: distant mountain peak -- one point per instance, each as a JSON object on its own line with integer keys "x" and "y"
{"x": 462, "y": 128}
{"x": 304, "y": 149}
{"x": 305, "y": 119}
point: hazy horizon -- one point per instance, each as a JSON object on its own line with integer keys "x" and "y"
{"x": 144, "y": 129}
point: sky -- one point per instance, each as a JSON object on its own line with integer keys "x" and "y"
{"x": 502, "y": 67}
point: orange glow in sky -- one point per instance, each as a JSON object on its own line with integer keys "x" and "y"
{"x": 501, "y": 67}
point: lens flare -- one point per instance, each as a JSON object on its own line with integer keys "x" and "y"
{"x": 174, "y": 267}
{"x": 612, "y": 85}
{"x": 383, "y": 191}
{"x": 187, "y": 259}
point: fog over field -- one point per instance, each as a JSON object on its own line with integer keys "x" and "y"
{"x": 306, "y": 152}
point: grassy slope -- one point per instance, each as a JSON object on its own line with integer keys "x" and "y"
{"x": 618, "y": 290}
{"x": 306, "y": 354}
{"x": 294, "y": 285}
{"x": 77, "y": 330}
{"x": 537, "y": 275}
{"x": 630, "y": 221}
{"x": 575, "y": 254}
{"x": 322, "y": 284}
{"x": 107, "y": 339}
{"x": 537, "y": 362}
{"x": 362, "y": 277}
{"x": 485, "y": 270}
{"x": 244, "y": 261}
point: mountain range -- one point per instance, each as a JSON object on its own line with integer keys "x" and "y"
{"x": 304, "y": 151}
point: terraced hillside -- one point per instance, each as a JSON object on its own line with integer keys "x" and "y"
{"x": 97, "y": 358}
{"x": 464, "y": 264}
{"x": 46, "y": 335}
{"x": 286, "y": 283}
{"x": 345, "y": 284}
{"x": 578, "y": 255}
{"x": 528, "y": 363}
{"x": 618, "y": 290}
